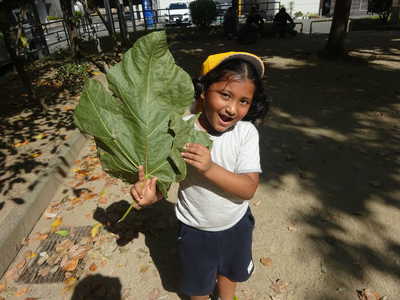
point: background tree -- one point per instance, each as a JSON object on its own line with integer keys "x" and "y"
{"x": 203, "y": 13}
{"x": 123, "y": 29}
{"x": 72, "y": 26}
{"x": 381, "y": 7}
{"x": 298, "y": 14}
{"x": 395, "y": 12}
{"x": 15, "y": 41}
{"x": 337, "y": 34}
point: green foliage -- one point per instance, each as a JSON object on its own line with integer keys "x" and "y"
{"x": 203, "y": 12}
{"x": 298, "y": 14}
{"x": 313, "y": 16}
{"x": 380, "y": 7}
{"x": 138, "y": 121}
{"x": 73, "y": 76}
{"x": 53, "y": 18}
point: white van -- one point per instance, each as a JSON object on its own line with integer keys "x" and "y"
{"x": 179, "y": 14}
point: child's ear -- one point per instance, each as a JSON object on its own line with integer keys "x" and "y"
{"x": 202, "y": 96}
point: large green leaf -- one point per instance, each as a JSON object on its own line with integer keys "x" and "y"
{"x": 138, "y": 121}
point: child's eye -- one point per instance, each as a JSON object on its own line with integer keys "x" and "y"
{"x": 244, "y": 101}
{"x": 225, "y": 95}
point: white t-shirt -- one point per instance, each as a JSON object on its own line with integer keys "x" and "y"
{"x": 202, "y": 204}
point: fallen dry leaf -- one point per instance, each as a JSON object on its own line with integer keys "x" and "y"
{"x": 143, "y": 269}
{"x": 75, "y": 200}
{"x": 40, "y": 136}
{"x": 93, "y": 267}
{"x": 2, "y": 287}
{"x": 40, "y": 236}
{"x": 21, "y": 264}
{"x": 103, "y": 200}
{"x": 25, "y": 241}
{"x": 71, "y": 265}
{"x": 367, "y": 294}
{"x": 44, "y": 271}
{"x": 266, "y": 261}
{"x": 64, "y": 245}
{"x": 93, "y": 178}
{"x": 21, "y": 292}
{"x": 279, "y": 286}
{"x": 56, "y": 223}
{"x": 54, "y": 259}
{"x": 36, "y": 154}
{"x": 79, "y": 252}
{"x": 50, "y": 215}
{"x": 43, "y": 258}
{"x": 89, "y": 196}
{"x": 95, "y": 230}
{"x": 30, "y": 254}
{"x": 11, "y": 274}
{"x": 68, "y": 107}
{"x": 19, "y": 144}
{"x": 69, "y": 283}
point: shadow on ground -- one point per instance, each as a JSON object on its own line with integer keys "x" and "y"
{"x": 98, "y": 287}
{"x": 159, "y": 227}
{"x": 335, "y": 126}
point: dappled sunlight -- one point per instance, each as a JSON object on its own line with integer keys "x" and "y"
{"x": 191, "y": 51}
{"x": 287, "y": 63}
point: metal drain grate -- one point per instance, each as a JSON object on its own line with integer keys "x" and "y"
{"x": 31, "y": 272}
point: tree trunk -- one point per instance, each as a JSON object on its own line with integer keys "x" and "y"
{"x": 337, "y": 34}
{"x": 106, "y": 24}
{"x": 123, "y": 31}
{"x": 39, "y": 31}
{"x": 89, "y": 21}
{"x": 109, "y": 15}
{"x": 71, "y": 24}
{"x": 19, "y": 63}
{"x": 395, "y": 12}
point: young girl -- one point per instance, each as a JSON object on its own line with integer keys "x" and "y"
{"x": 216, "y": 224}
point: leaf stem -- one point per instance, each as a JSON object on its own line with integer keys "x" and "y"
{"x": 125, "y": 214}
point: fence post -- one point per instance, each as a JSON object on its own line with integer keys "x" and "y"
{"x": 66, "y": 34}
{"x": 132, "y": 15}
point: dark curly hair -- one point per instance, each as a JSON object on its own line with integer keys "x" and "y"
{"x": 245, "y": 70}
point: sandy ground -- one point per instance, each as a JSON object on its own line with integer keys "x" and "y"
{"x": 328, "y": 207}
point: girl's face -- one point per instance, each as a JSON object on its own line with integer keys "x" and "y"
{"x": 225, "y": 103}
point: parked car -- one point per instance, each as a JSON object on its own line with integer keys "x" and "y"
{"x": 179, "y": 14}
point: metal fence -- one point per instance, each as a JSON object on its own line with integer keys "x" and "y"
{"x": 56, "y": 35}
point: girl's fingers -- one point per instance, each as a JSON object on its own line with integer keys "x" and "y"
{"x": 153, "y": 183}
{"x": 189, "y": 155}
{"x": 135, "y": 194}
{"x": 194, "y": 148}
{"x": 192, "y": 162}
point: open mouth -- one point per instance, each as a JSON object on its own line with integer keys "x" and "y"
{"x": 224, "y": 118}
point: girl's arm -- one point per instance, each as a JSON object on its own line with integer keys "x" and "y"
{"x": 241, "y": 185}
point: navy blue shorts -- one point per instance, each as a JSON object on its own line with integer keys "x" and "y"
{"x": 205, "y": 254}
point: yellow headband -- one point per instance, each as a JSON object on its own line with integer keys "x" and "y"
{"x": 214, "y": 60}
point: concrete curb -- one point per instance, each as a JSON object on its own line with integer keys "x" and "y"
{"x": 20, "y": 220}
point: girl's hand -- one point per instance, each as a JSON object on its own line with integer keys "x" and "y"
{"x": 144, "y": 192}
{"x": 198, "y": 156}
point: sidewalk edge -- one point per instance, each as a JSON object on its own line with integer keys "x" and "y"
{"x": 21, "y": 219}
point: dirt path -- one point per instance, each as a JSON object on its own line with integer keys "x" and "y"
{"x": 328, "y": 208}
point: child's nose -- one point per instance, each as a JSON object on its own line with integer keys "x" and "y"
{"x": 231, "y": 109}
